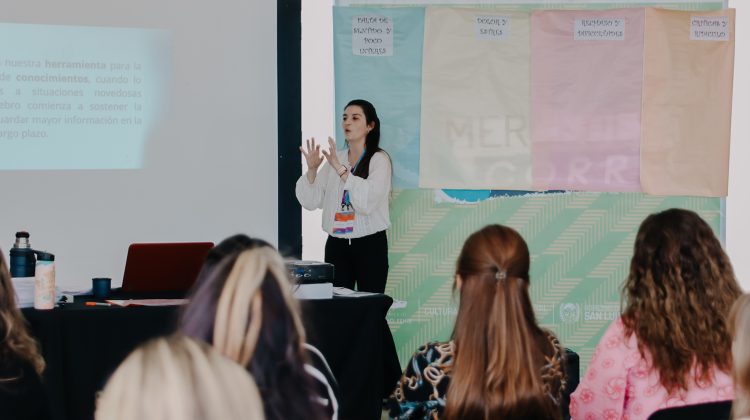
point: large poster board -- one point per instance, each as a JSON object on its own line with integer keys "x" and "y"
{"x": 581, "y": 243}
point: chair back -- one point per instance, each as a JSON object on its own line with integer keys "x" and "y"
{"x": 719, "y": 410}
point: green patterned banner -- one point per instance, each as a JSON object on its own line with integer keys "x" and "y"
{"x": 580, "y": 245}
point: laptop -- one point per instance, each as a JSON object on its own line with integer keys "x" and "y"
{"x": 163, "y": 267}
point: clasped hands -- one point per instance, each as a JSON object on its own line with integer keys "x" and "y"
{"x": 313, "y": 157}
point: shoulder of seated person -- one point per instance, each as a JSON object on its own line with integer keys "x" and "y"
{"x": 22, "y": 373}
{"x": 437, "y": 344}
{"x": 552, "y": 337}
{"x": 444, "y": 346}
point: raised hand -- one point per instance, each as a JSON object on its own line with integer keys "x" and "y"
{"x": 312, "y": 156}
{"x": 331, "y": 155}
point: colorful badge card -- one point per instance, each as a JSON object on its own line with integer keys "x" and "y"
{"x": 687, "y": 102}
{"x": 378, "y": 57}
{"x": 475, "y": 100}
{"x": 586, "y": 79}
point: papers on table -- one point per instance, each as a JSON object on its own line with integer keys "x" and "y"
{"x": 24, "y": 287}
{"x": 147, "y": 302}
{"x": 343, "y": 291}
{"x": 398, "y": 304}
{"x": 313, "y": 291}
{"x": 78, "y": 292}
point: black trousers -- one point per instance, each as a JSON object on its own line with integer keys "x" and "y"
{"x": 363, "y": 261}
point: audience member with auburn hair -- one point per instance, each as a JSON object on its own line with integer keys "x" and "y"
{"x": 740, "y": 324}
{"x": 499, "y": 364}
{"x": 242, "y": 304}
{"x": 21, "y": 365}
{"x": 178, "y": 378}
{"x": 671, "y": 346}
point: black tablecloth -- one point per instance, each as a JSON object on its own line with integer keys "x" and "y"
{"x": 83, "y": 345}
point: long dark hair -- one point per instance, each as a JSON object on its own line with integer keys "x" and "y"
{"x": 242, "y": 305}
{"x": 500, "y": 348}
{"x": 679, "y": 293}
{"x": 372, "y": 141}
{"x": 15, "y": 341}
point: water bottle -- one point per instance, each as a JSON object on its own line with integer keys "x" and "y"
{"x": 44, "y": 281}
{"x": 22, "y": 259}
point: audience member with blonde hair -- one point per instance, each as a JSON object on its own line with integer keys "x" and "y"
{"x": 499, "y": 364}
{"x": 242, "y": 305}
{"x": 178, "y": 378}
{"x": 21, "y": 365}
{"x": 740, "y": 323}
{"x": 671, "y": 346}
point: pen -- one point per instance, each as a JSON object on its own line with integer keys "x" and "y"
{"x": 98, "y": 304}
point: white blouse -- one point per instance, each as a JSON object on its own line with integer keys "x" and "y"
{"x": 369, "y": 197}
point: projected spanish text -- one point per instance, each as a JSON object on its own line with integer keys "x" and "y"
{"x": 79, "y": 97}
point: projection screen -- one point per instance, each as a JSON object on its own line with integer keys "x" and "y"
{"x": 138, "y": 121}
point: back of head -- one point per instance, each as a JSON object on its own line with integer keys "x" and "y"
{"x": 197, "y": 319}
{"x": 244, "y": 307}
{"x": 232, "y": 245}
{"x": 500, "y": 349}
{"x": 739, "y": 321}
{"x": 679, "y": 291}
{"x": 15, "y": 341}
{"x": 178, "y": 378}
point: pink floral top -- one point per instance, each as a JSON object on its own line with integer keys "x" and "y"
{"x": 619, "y": 383}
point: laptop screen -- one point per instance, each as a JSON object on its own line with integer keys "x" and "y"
{"x": 162, "y": 267}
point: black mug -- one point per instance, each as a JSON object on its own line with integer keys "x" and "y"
{"x": 101, "y": 286}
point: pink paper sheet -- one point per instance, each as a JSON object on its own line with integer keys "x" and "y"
{"x": 586, "y": 79}
{"x": 687, "y": 103}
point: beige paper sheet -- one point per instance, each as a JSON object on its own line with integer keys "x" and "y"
{"x": 687, "y": 105}
{"x": 475, "y": 100}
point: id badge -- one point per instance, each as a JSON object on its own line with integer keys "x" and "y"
{"x": 343, "y": 220}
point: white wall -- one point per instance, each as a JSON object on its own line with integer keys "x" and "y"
{"x": 317, "y": 103}
{"x": 738, "y": 201}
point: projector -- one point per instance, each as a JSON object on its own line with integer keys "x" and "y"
{"x": 310, "y": 271}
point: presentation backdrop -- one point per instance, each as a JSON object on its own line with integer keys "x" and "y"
{"x": 581, "y": 243}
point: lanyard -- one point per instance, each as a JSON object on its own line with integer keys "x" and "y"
{"x": 354, "y": 168}
{"x": 345, "y": 202}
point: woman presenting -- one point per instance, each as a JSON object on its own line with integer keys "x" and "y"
{"x": 353, "y": 190}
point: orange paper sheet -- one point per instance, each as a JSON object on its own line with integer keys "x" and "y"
{"x": 687, "y": 102}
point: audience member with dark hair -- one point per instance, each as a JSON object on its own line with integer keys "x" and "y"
{"x": 178, "y": 378}
{"x": 21, "y": 365}
{"x": 671, "y": 346}
{"x": 500, "y": 364}
{"x": 739, "y": 321}
{"x": 242, "y": 304}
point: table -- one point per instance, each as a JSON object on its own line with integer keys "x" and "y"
{"x": 83, "y": 345}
